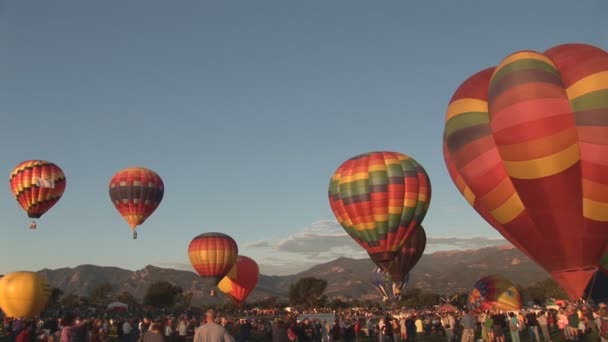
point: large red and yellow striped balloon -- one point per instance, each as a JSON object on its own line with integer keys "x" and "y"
{"x": 526, "y": 143}
{"x": 136, "y": 193}
{"x": 241, "y": 280}
{"x": 380, "y": 198}
{"x": 37, "y": 185}
{"x": 212, "y": 255}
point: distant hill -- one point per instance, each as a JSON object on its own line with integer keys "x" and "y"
{"x": 440, "y": 272}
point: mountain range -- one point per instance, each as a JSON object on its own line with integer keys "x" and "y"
{"x": 444, "y": 272}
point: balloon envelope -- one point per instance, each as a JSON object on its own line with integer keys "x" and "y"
{"x": 37, "y": 185}
{"x": 525, "y": 143}
{"x": 212, "y": 255}
{"x": 136, "y": 193}
{"x": 23, "y": 294}
{"x": 494, "y": 293}
{"x": 241, "y": 280}
{"x": 408, "y": 255}
{"x": 380, "y": 198}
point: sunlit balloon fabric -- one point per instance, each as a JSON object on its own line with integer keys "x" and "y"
{"x": 526, "y": 143}
{"x": 212, "y": 255}
{"x": 37, "y": 186}
{"x": 408, "y": 255}
{"x": 136, "y": 193}
{"x": 241, "y": 280}
{"x": 23, "y": 294}
{"x": 379, "y": 198}
{"x": 494, "y": 293}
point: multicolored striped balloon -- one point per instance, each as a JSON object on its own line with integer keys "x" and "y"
{"x": 494, "y": 293}
{"x": 526, "y": 143}
{"x": 136, "y": 193}
{"x": 380, "y": 198}
{"x": 212, "y": 255}
{"x": 241, "y": 280}
{"x": 37, "y": 185}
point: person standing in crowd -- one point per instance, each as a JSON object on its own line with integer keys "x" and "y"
{"x": 603, "y": 322}
{"x": 468, "y": 327}
{"x": 211, "y": 331}
{"x": 544, "y": 325}
{"x": 532, "y": 325}
{"x": 279, "y": 331}
{"x": 153, "y": 333}
{"x": 514, "y": 327}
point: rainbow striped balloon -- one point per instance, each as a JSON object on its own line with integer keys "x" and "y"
{"x": 494, "y": 293}
{"x": 526, "y": 143}
{"x": 380, "y": 198}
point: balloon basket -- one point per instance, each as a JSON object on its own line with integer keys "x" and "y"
{"x": 33, "y": 225}
{"x": 134, "y": 235}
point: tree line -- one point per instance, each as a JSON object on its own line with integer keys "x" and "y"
{"x": 307, "y": 292}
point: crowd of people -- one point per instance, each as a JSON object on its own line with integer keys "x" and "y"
{"x": 575, "y": 323}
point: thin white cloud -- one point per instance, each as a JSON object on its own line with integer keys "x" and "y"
{"x": 326, "y": 240}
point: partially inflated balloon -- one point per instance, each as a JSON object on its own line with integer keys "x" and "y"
{"x": 212, "y": 255}
{"x": 136, "y": 193}
{"x": 241, "y": 280}
{"x": 37, "y": 185}
{"x": 526, "y": 144}
{"x": 408, "y": 255}
{"x": 23, "y": 294}
{"x": 380, "y": 198}
{"x": 494, "y": 293}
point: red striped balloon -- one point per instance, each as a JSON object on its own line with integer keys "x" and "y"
{"x": 212, "y": 255}
{"x": 37, "y": 185}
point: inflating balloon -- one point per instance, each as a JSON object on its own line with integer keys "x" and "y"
{"x": 37, "y": 185}
{"x": 23, "y": 294}
{"x": 212, "y": 255}
{"x": 494, "y": 293}
{"x": 241, "y": 280}
{"x": 526, "y": 144}
{"x": 136, "y": 193}
{"x": 380, "y": 198}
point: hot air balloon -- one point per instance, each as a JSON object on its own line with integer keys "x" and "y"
{"x": 409, "y": 255}
{"x": 494, "y": 293}
{"x": 387, "y": 286}
{"x": 241, "y": 280}
{"x": 37, "y": 186}
{"x": 525, "y": 143}
{"x": 212, "y": 255}
{"x": 136, "y": 193}
{"x": 380, "y": 198}
{"x": 23, "y": 294}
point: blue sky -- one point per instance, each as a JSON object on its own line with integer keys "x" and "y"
{"x": 245, "y": 109}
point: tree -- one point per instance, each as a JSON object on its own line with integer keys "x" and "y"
{"x": 101, "y": 294}
{"x": 128, "y": 298}
{"x": 162, "y": 294}
{"x": 184, "y": 299}
{"x": 70, "y": 300}
{"x": 55, "y": 296}
{"x": 307, "y": 291}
